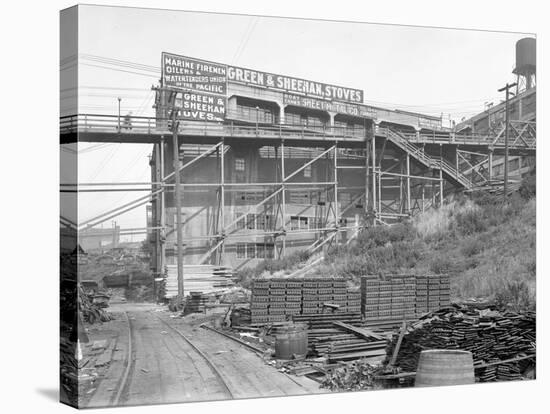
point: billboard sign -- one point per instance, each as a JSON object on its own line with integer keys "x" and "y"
{"x": 361, "y": 111}
{"x": 196, "y": 106}
{"x": 182, "y": 72}
{"x": 294, "y": 85}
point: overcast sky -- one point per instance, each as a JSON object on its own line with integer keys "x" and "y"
{"x": 420, "y": 69}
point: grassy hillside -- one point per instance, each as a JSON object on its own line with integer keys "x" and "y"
{"x": 485, "y": 243}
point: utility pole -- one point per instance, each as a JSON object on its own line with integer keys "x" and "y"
{"x": 177, "y": 195}
{"x": 119, "y": 99}
{"x": 506, "y": 130}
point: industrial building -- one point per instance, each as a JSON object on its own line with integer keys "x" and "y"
{"x": 273, "y": 164}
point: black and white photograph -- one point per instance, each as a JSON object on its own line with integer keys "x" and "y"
{"x": 255, "y": 206}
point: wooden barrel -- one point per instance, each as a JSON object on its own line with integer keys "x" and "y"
{"x": 444, "y": 367}
{"x": 291, "y": 341}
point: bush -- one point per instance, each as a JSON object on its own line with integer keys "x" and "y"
{"x": 470, "y": 222}
{"x": 528, "y": 188}
{"x": 515, "y": 295}
{"x": 382, "y": 235}
{"x": 441, "y": 264}
{"x": 472, "y": 247}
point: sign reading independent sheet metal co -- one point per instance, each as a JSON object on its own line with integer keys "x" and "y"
{"x": 193, "y": 74}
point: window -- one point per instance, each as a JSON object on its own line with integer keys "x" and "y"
{"x": 263, "y": 222}
{"x": 241, "y": 250}
{"x": 307, "y": 171}
{"x": 260, "y": 251}
{"x": 250, "y": 251}
{"x": 250, "y": 222}
{"x": 240, "y": 223}
{"x": 269, "y": 250}
{"x": 239, "y": 164}
{"x": 299, "y": 223}
{"x": 514, "y": 164}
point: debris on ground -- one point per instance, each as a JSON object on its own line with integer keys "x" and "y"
{"x": 90, "y": 310}
{"x": 491, "y": 335}
{"x": 354, "y": 376}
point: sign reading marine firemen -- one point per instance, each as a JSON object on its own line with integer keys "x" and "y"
{"x": 193, "y": 74}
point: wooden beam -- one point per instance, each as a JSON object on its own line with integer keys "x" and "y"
{"x": 362, "y": 332}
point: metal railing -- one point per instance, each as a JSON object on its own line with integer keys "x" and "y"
{"x": 94, "y": 123}
{"x": 522, "y": 133}
{"x": 427, "y": 160}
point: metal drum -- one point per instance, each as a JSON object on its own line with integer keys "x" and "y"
{"x": 444, "y": 367}
{"x": 291, "y": 341}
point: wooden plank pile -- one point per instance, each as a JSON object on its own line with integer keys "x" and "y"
{"x": 195, "y": 303}
{"x": 336, "y": 337}
{"x": 489, "y": 334}
{"x": 278, "y": 299}
{"x": 197, "y": 278}
{"x": 392, "y": 298}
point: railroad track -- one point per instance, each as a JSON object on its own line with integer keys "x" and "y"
{"x": 212, "y": 366}
{"x": 126, "y": 378}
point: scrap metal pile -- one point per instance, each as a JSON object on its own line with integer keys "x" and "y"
{"x": 91, "y": 310}
{"x": 491, "y": 335}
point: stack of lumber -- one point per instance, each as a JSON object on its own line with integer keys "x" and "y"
{"x": 278, "y": 299}
{"x": 393, "y": 298}
{"x": 197, "y": 278}
{"x": 489, "y": 334}
{"x": 335, "y": 337}
{"x": 195, "y": 303}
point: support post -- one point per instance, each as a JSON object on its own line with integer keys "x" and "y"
{"x": 440, "y": 175}
{"x": 408, "y": 184}
{"x": 162, "y": 211}
{"x": 367, "y": 186}
{"x": 373, "y": 153}
{"x": 177, "y": 195}
{"x": 283, "y": 196}
{"x": 506, "y": 134}
{"x": 222, "y": 203}
{"x": 490, "y": 165}
{"x": 423, "y": 196}
{"x": 336, "y": 214}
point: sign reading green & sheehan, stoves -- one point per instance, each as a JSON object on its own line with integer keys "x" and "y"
{"x": 294, "y": 85}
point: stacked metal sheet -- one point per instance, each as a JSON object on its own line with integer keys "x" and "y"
{"x": 398, "y": 297}
{"x": 278, "y": 299}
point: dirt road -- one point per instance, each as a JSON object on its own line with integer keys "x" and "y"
{"x": 173, "y": 360}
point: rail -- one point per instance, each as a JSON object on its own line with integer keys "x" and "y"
{"x": 427, "y": 160}
{"x": 95, "y": 123}
{"x": 522, "y": 135}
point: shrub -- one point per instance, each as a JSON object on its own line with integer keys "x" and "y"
{"x": 441, "y": 264}
{"x": 515, "y": 295}
{"x": 528, "y": 188}
{"x": 382, "y": 235}
{"x": 472, "y": 247}
{"x": 470, "y": 222}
